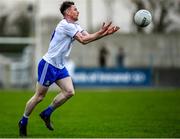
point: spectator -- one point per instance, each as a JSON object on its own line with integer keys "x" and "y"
{"x": 120, "y": 57}
{"x": 103, "y": 54}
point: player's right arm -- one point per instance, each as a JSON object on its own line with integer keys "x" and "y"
{"x": 85, "y": 37}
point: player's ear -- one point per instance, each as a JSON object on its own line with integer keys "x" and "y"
{"x": 68, "y": 12}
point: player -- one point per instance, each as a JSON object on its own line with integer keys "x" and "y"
{"x": 51, "y": 68}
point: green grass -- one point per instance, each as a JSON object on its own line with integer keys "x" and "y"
{"x": 100, "y": 114}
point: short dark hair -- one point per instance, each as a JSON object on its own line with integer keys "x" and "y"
{"x": 65, "y": 5}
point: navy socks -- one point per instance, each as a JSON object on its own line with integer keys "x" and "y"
{"x": 47, "y": 112}
{"x": 24, "y": 120}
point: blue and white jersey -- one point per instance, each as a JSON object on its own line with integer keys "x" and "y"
{"x": 61, "y": 43}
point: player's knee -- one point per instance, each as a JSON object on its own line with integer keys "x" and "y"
{"x": 70, "y": 93}
{"x": 39, "y": 98}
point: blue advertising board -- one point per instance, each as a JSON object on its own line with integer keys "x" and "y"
{"x": 113, "y": 77}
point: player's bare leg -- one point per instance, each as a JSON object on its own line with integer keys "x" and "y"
{"x": 30, "y": 105}
{"x": 67, "y": 91}
{"x": 38, "y": 97}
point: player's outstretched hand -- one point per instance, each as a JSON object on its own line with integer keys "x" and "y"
{"x": 112, "y": 29}
{"x": 108, "y": 29}
{"x": 104, "y": 28}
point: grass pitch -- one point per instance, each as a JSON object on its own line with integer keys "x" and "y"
{"x": 97, "y": 114}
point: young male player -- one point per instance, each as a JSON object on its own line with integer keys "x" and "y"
{"x": 51, "y": 68}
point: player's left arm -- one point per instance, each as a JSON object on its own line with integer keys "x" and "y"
{"x": 84, "y": 37}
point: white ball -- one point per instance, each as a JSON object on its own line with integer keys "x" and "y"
{"x": 142, "y": 18}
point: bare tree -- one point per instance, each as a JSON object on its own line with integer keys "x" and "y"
{"x": 3, "y": 17}
{"x": 160, "y": 24}
{"x": 161, "y": 11}
{"x": 19, "y": 21}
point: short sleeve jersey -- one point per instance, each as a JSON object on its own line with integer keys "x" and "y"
{"x": 61, "y": 43}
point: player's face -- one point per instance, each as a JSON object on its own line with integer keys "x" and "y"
{"x": 73, "y": 13}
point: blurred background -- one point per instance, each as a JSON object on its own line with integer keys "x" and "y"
{"x": 133, "y": 57}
